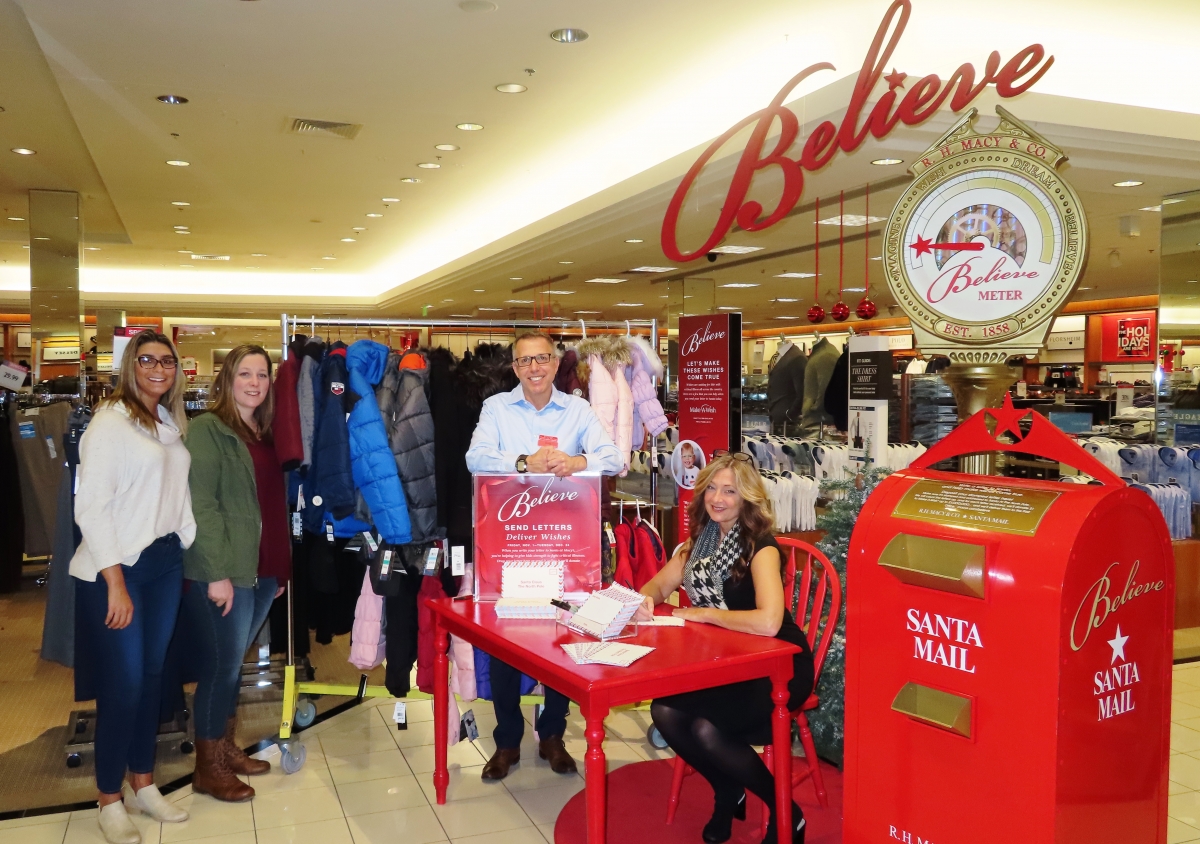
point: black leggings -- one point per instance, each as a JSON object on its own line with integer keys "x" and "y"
{"x": 713, "y": 730}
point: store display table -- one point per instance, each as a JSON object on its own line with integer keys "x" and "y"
{"x": 685, "y": 659}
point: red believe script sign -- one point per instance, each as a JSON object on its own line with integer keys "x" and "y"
{"x": 537, "y": 518}
{"x": 911, "y": 107}
{"x": 710, "y": 365}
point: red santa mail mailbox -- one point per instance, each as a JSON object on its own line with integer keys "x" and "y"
{"x": 1008, "y": 656}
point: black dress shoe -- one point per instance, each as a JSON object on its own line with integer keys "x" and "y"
{"x": 799, "y": 827}
{"x": 720, "y": 826}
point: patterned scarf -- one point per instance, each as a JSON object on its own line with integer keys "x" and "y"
{"x": 708, "y": 567}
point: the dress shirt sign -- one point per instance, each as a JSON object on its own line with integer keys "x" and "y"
{"x": 537, "y": 521}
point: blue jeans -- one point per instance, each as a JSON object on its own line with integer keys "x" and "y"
{"x": 131, "y": 660}
{"x": 221, "y": 648}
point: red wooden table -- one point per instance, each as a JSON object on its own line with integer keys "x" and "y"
{"x": 685, "y": 659}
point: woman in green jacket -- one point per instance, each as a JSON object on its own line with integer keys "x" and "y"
{"x": 240, "y": 560}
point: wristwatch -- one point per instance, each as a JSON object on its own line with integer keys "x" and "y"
{"x": 522, "y": 465}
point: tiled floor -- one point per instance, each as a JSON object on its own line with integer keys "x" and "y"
{"x": 365, "y": 782}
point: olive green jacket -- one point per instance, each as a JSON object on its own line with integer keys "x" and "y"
{"x": 225, "y": 504}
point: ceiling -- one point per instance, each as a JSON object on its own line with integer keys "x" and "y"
{"x": 567, "y": 171}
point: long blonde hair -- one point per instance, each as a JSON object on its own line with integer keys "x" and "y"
{"x": 130, "y": 397}
{"x": 225, "y": 407}
{"x": 756, "y": 517}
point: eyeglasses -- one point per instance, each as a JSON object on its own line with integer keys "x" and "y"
{"x": 736, "y": 455}
{"x": 150, "y": 361}
{"x": 525, "y": 360}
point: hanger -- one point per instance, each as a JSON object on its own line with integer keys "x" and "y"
{"x": 628, "y": 329}
{"x": 583, "y": 328}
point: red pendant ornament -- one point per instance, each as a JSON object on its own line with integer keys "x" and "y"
{"x": 816, "y": 314}
{"x": 840, "y": 312}
{"x": 866, "y": 309}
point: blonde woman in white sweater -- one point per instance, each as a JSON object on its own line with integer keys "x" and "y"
{"x": 134, "y": 511}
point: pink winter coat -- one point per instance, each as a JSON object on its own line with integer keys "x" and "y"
{"x": 646, "y": 367}
{"x": 602, "y": 394}
{"x": 367, "y": 643}
{"x": 623, "y": 423}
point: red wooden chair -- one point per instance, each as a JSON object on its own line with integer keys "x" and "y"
{"x": 819, "y": 581}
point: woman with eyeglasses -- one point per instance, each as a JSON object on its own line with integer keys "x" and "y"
{"x": 732, "y": 570}
{"x": 241, "y": 558}
{"x": 134, "y": 511}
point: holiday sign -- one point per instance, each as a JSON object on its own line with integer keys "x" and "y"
{"x": 987, "y": 244}
{"x": 910, "y": 103}
{"x": 1128, "y": 337}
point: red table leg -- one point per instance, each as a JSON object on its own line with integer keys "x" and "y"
{"x": 441, "y": 705}
{"x": 596, "y": 769}
{"x": 781, "y": 729}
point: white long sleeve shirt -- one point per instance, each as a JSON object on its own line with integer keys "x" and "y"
{"x": 132, "y": 489}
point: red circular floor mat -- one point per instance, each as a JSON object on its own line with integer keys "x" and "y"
{"x": 637, "y": 809}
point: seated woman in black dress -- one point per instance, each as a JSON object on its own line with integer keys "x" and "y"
{"x": 731, "y": 568}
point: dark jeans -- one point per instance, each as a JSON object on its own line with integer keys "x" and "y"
{"x": 506, "y": 699}
{"x": 131, "y": 660}
{"x": 221, "y": 648}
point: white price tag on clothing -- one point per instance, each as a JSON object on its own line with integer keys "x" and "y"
{"x": 329, "y": 532}
{"x": 372, "y": 545}
{"x": 458, "y": 560}
{"x": 431, "y": 560}
{"x": 297, "y": 525}
{"x": 385, "y": 567}
{"x": 400, "y": 716}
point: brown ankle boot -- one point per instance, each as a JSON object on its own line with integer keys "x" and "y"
{"x": 238, "y": 761}
{"x": 213, "y": 776}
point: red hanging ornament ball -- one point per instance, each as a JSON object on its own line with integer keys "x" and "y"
{"x": 840, "y": 312}
{"x": 866, "y": 309}
{"x": 816, "y": 314}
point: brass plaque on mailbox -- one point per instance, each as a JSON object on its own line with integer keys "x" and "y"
{"x": 939, "y": 709}
{"x": 941, "y": 564}
{"x": 985, "y": 506}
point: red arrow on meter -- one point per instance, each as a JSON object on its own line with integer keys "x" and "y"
{"x": 925, "y": 246}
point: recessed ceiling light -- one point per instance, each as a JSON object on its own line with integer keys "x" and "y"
{"x": 735, "y": 250}
{"x": 787, "y": 317}
{"x": 24, "y": 151}
{"x": 408, "y": 180}
{"x": 491, "y": 309}
{"x": 1193, "y": 281}
{"x": 850, "y": 220}
{"x": 787, "y": 300}
{"x": 605, "y": 281}
{"x": 447, "y": 300}
{"x": 651, "y": 269}
{"x": 258, "y": 254}
{"x": 461, "y": 316}
{"x": 1130, "y": 183}
{"x": 446, "y": 147}
{"x": 429, "y": 165}
{"x": 184, "y": 251}
{"x": 569, "y": 35}
{"x": 877, "y": 258}
{"x": 728, "y": 308}
{"x": 884, "y": 162}
{"x": 316, "y": 268}
{"x": 480, "y": 290}
{"x": 172, "y": 99}
{"x": 854, "y": 290}
{"x": 181, "y": 204}
{"x": 511, "y": 88}
{"x": 1151, "y": 208}
{"x": 628, "y": 304}
{"x": 515, "y": 278}
{"x": 359, "y": 228}
{"x": 1172, "y": 201}
{"x": 348, "y": 240}
{"x": 374, "y": 215}
{"x": 188, "y": 266}
{"x": 328, "y": 258}
{"x": 176, "y": 162}
{"x": 41, "y": 238}
{"x": 17, "y": 219}
{"x": 92, "y": 248}
{"x": 795, "y": 275}
{"x": 634, "y": 240}
{"x": 470, "y": 127}
{"x": 518, "y": 301}
{"x": 182, "y": 231}
{"x": 739, "y": 284}
{"x": 391, "y": 198}
{"x": 587, "y": 312}
{"x": 177, "y": 228}
{"x": 560, "y": 292}
{"x": 566, "y": 262}
{"x": 25, "y": 246}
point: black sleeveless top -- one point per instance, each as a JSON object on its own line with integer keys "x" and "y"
{"x": 741, "y": 596}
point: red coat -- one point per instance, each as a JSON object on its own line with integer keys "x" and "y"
{"x": 286, "y": 427}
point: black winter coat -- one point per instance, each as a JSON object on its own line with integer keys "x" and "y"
{"x": 330, "y": 477}
{"x": 409, "y": 425}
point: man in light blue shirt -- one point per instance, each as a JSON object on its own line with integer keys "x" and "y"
{"x": 535, "y": 428}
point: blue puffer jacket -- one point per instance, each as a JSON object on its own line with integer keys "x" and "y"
{"x": 329, "y": 478}
{"x": 371, "y": 459}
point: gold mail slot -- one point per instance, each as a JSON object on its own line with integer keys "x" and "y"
{"x": 936, "y": 563}
{"x": 938, "y": 709}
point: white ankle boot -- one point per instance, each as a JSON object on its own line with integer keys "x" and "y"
{"x": 116, "y": 825}
{"x": 149, "y": 801}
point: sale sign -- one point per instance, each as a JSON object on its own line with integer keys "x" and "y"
{"x": 526, "y": 522}
{"x": 1128, "y": 337}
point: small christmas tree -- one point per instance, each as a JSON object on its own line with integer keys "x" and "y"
{"x": 828, "y": 720}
